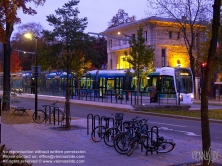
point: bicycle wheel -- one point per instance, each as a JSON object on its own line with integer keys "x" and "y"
{"x": 132, "y": 146}
{"x": 121, "y": 142}
{"x": 98, "y": 133}
{"x": 109, "y": 136}
{"x": 41, "y": 116}
{"x": 59, "y": 116}
{"x": 165, "y": 147}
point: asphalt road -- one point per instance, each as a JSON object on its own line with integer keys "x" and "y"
{"x": 173, "y": 127}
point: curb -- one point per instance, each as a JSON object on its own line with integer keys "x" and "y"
{"x": 176, "y": 117}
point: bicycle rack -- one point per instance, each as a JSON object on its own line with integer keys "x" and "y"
{"x": 48, "y": 113}
{"x": 100, "y": 121}
{"x": 107, "y": 122}
{"x": 88, "y": 123}
{"x": 58, "y": 115}
{"x": 154, "y": 129}
{"x": 147, "y": 140}
{"x": 49, "y": 109}
{"x": 94, "y": 120}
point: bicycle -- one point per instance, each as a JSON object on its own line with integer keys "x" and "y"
{"x": 44, "y": 116}
{"x": 160, "y": 145}
{"x": 111, "y": 133}
{"x": 105, "y": 132}
{"x": 121, "y": 140}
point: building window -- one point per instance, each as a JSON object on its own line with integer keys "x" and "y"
{"x": 110, "y": 43}
{"x": 145, "y": 35}
{"x": 170, "y": 34}
{"x": 163, "y": 57}
{"x": 178, "y": 35}
{"x": 123, "y": 63}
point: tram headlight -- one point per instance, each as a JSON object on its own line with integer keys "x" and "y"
{"x": 181, "y": 98}
{"x": 192, "y": 97}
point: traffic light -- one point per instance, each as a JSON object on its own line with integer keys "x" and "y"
{"x": 203, "y": 66}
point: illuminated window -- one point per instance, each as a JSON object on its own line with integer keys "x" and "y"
{"x": 123, "y": 64}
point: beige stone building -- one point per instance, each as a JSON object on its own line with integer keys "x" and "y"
{"x": 164, "y": 36}
{"x": 160, "y": 33}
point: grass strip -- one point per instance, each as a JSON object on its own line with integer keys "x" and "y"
{"x": 213, "y": 114}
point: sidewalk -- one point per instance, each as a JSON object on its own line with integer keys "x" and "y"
{"x": 41, "y": 138}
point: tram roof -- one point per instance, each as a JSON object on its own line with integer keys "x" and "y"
{"x": 57, "y": 75}
{"x": 165, "y": 70}
{"x": 108, "y": 72}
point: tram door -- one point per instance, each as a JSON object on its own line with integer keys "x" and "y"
{"x": 119, "y": 86}
{"x": 110, "y": 84}
{"x": 72, "y": 86}
{"x": 102, "y": 86}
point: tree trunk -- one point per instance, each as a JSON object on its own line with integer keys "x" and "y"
{"x": 206, "y": 140}
{"x": 6, "y": 76}
{"x": 78, "y": 88}
{"x": 67, "y": 103}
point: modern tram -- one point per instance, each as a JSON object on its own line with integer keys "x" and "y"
{"x": 170, "y": 83}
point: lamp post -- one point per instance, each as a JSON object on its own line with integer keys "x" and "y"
{"x": 35, "y": 73}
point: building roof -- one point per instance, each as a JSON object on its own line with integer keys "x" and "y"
{"x": 145, "y": 20}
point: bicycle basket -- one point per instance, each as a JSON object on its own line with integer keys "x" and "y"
{"x": 119, "y": 116}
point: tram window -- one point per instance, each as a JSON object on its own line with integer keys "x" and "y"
{"x": 121, "y": 83}
{"x": 134, "y": 83}
{"x": 166, "y": 84}
{"x": 144, "y": 84}
{"x": 117, "y": 83}
{"x": 102, "y": 82}
{"x": 83, "y": 83}
{"x": 185, "y": 85}
{"x": 110, "y": 84}
{"x": 89, "y": 83}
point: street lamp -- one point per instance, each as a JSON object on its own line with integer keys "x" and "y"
{"x": 35, "y": 73}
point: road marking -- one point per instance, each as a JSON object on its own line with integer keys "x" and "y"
{"x": 167, "y": 124}
{"x": 188, "y": 133}
{"x": 185, "y": 132}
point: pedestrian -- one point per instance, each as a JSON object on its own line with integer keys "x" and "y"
{"x": 33, "y": 87}
{"x": 153, "y": 95}
{"x": 199, "y": 91}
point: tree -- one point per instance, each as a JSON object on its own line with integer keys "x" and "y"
{"x": 191, "y": 19}
{"x": 15, "y": 63}
{"x": 206, "y": 141}
{"x": 205, "y": 47}
{"x": 70, "y": 42}
{"x": 120, "y": 18}
{"x": 8, "y": 10}
{"x": 141, "y": 57}
{"x": 19, "y": 42}
{"x": 48, "y": 56}
{"x": 98, "y": 52}
{"x": 1, "y": 57}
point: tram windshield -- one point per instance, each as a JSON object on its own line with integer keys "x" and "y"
{"x": 184, "y": 82}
